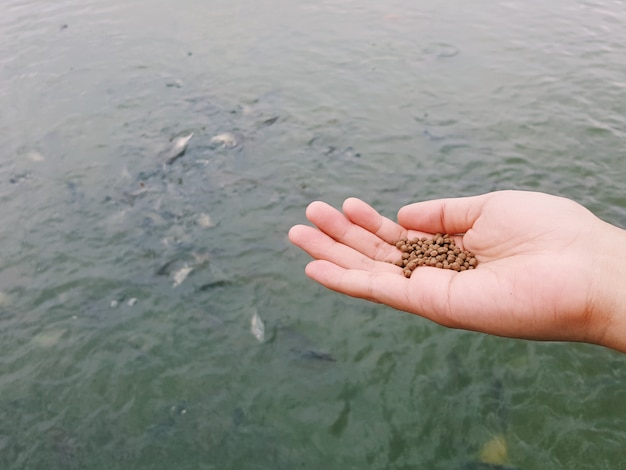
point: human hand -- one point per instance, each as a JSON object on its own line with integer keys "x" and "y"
{"x": 548, "y": 268}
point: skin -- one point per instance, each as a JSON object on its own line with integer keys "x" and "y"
{"x": 548, "y": 268}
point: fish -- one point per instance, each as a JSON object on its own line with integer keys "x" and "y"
{"x": 226, "y": 139}
{"x": 494, "y": 453}
{"x": 215, "y": 284}
{"x": 238, "y": 416}
{"x": 177, "y": 269}
{"x": 176, "y": 149}
{"x": 167, "y": 268}
{"x": 204, "y": 220}
{"x": 129, "y": 197}
{"x": 181, "y": 274}
{"x": 35, "y": 156}
{"x": 315, "y": 355}
{"x": 49, "y": 338}
{"x": 269, "y": 122}
{"x": 300, "y": 345}
{"x": 257, "y": 327}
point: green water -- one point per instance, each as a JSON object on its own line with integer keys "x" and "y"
{"x": 106, "y": 364}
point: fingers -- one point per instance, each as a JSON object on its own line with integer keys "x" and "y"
{"x": 364, "y": 215}
{"x": 427, "y": 293}
{"x": 321, "y": 246}
{"x": 347, "y": 229}
{"x": 451, "y": 216}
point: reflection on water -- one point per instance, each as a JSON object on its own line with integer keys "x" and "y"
{"x": 154, "y": 315}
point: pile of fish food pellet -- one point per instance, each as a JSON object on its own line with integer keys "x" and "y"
{"x": 438, "y": 252}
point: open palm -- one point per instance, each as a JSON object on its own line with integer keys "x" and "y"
{"x": 537, "y": 275}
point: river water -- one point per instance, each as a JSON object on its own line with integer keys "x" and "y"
{"x": 127, "y": 288}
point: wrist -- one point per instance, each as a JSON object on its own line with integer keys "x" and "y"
{"x": 608, "y": 299}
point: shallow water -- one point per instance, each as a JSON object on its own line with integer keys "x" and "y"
{"x": 106, "y": 363}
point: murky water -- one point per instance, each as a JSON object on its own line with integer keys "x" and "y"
{"x": 127, "y": 288}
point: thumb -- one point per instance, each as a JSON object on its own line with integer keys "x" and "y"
{"x": 452, "y": 215}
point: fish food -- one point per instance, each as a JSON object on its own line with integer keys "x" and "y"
{"x": 439, "y": 252}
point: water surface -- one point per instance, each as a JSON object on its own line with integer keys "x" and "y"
{"x": 105, "y": 363}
